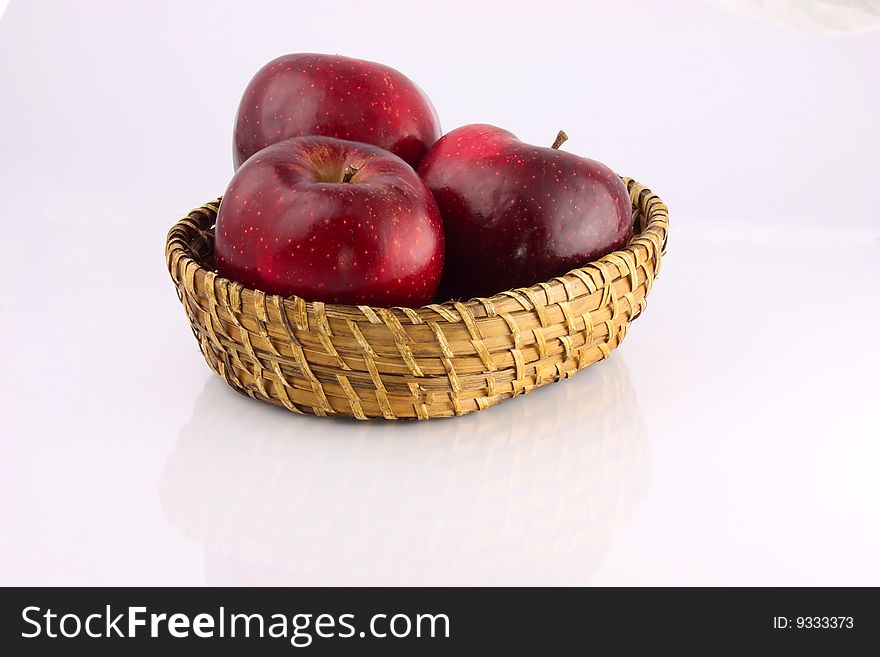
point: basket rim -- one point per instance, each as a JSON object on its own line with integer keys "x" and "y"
{"x": 654, "y": 230}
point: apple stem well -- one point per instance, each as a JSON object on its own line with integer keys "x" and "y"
{"x": 350, "y": 172}
{"x": 561, "y": 138}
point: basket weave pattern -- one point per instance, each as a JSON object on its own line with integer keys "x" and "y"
{"x": 436, "y": 361}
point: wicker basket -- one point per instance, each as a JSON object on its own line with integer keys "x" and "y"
{"x": 436, "y": 361}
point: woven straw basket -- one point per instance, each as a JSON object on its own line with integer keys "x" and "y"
{"x": 436, "y": 361}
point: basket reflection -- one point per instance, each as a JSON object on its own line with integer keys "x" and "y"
{"x": 529, "y": 492}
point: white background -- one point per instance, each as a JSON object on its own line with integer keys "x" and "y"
{"x": 733, "y": 439}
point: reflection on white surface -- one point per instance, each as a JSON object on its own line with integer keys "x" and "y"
{"x": 490, "y": 497}
{"x": 820, "y": 17}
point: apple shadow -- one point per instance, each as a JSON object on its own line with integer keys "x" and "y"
{"x": 528, "y": 492}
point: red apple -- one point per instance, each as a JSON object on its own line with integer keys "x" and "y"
{"x": 331, "y": 220}
{"x": 333, "y": 96}
{"x": 516, "y": 214}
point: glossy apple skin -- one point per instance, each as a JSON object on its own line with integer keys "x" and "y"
{"x": 333, "y": 96}
{"x": 288, "y": 225}
{"x": 516, "y": 214}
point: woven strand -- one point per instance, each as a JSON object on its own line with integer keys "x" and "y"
{"x": 440, "y": 360}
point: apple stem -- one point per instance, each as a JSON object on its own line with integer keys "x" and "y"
{"x": 350, "y": 172}
{"x": 561, "y": 138}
